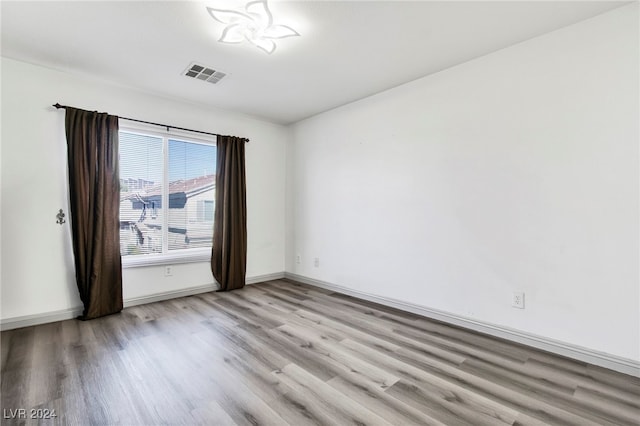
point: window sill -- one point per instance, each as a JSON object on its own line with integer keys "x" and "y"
{"x": 187, "y": 256}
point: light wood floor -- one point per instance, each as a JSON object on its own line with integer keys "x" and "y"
{"x": 285, "y": 353}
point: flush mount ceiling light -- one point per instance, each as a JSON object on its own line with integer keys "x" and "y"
{"x": 254, "y": 24}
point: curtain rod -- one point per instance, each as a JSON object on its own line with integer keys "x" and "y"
{"x": 58, "y": 106}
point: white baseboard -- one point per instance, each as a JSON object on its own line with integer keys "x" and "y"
{"x": 29, "y": 320}
{"x": 613, "y": 362}
{"x": 166, "y": 295}
{"x": 266, "y": 277}
{"x": 66, "y": 314}
{"x": 158, "y": 297}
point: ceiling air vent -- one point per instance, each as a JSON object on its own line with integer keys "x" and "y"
{"x": 204, "y": 73}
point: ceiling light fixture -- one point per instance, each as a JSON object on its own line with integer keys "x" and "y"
{"x": 254, "y": 24}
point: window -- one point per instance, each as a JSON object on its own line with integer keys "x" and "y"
{"x": 205, "y": 211}
{"x": 167, "y": 189}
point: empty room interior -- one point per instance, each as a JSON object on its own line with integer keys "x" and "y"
{"x": 320, "y": 212}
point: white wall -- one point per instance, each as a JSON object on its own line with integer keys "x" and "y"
{"x": 37, "y": 274}
{"x": 517, "y": 171}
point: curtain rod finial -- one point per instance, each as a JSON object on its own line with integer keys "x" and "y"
{"x": 57, "y": 105}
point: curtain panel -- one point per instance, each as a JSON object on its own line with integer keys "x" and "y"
{"x": 94, "y": 197}
{"x": 229, "y": 251}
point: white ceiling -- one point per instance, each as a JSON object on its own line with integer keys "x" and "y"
{"x": 347, "y": 50}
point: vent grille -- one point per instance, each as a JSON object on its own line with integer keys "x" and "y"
{"x": 203, "y": 73}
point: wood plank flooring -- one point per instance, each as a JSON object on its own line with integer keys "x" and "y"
{"x": 281, "y": 353}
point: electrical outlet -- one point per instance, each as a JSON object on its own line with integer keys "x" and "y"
{"x": 316, "y": 262}
{"x": 298, "y": 259}
{"x": 168, "y": 271}
{"x": 518, "y": 300}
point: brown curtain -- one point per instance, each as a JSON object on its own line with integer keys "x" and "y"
{"x": 229, "y": 251}
{"x": 94, "y": 196}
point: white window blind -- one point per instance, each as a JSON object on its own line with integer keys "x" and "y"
{"x": 141, "y": 190}
{"x": 167, "y": 190}
{"x": 192, "y": 182}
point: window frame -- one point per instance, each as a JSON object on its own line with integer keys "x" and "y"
{"x": 167, "y": 257}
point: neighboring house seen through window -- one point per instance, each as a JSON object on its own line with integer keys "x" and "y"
{"x": 167, "y": 188}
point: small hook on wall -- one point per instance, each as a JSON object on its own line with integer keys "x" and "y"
{"x": 60, "y": 217}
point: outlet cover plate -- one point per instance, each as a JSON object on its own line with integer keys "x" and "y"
{"x": 518, "y": 300}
